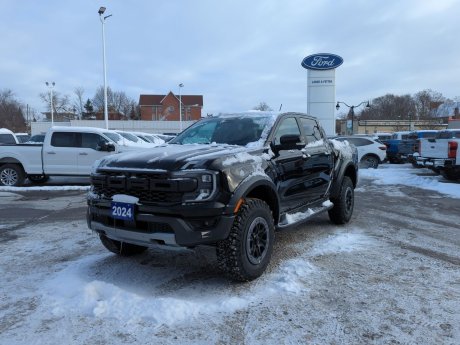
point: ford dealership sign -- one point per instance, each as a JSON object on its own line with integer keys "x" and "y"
{"x": 322, "y": 61}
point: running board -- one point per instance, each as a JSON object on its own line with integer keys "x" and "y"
{"x": 291, "y": 219}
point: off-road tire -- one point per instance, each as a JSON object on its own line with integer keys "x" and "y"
{"x": 121, "y": 248}
{"x": 11, "y": 175}
{"x": 343, "y": 204}
{"x": 38, "y": 179}
{"x": 245, "y": 254}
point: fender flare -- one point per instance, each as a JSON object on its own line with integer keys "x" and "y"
{"x": 258, "y": 186}
{"x": 345, "y": 170}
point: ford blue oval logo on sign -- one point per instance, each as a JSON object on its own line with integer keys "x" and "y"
{"x": 322, "y": 61}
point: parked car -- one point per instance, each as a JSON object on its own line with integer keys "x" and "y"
{"x": 130, "y": 139}
{"x": 36, "y": 139}
{"x": 7, "y": 137}
{"x": 407, "y": 147}
{"x": 22, "y": 137}
{"x": 383, "y": 136}
{"x": 149, "y": 138}
{"x": 227, "y": 181}
{"x": 441, "y": 154}
{"x": 371, "y": 152}
{"x": 66, "y": 151}
{"x": 392, "y": 144}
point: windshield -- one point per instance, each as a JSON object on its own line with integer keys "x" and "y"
{"x": 129, "y": 136}
{"x": 224, "y": 130}
{"x": 113, "y": 136}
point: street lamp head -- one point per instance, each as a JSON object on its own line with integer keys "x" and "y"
{"x": 337, "y": 106}
{"x": 368, "y": 105}
{"x": 181, "y": 85}
{"x": 101, "y": 10}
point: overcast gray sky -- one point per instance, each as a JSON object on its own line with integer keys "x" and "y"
{"x": 235, "y": 53}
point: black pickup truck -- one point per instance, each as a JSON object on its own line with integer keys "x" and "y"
{"x": 227, "y": 181}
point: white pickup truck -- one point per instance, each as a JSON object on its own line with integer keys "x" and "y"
{"x": 66, "y": 151}
{"x": 441, "y": 153}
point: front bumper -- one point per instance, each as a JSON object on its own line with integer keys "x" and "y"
{"x": 155, "y": 226}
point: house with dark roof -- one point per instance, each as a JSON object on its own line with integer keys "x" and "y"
{"x": 167, "y": 107}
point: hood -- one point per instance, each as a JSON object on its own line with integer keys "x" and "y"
{"x": 170, "y": 157}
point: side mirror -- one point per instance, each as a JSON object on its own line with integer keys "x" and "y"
{"x": 105, "y": 146}
{"x": 289, "y": 142}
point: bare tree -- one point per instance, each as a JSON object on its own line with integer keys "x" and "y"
{"x": 426, "y": 101}
{"x": 117, "y": 101}
{"x": 389, "y": 107}
{"x": 11, "y": 114}
{"x": 262, "y": 106}
{"x": 79, "y": 101}
{"x": 121, "y": 103}
{"x": 61, "y": 103}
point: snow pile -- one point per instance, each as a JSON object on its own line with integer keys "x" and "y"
{"x": 407, "y": 175}
{"x": 291, "y": 277}
{"x": 73, "y": 290}
{"x": 78, "y": 290}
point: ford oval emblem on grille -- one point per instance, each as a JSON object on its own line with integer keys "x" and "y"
{"x": 322, "y": 61}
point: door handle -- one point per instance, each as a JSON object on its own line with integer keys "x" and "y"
{"x": 83, "y": 154}
{"x": 51, "y": 152}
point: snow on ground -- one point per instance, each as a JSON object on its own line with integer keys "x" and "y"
{"x": 70, "y": 290}
{"x": 405, "y": 174}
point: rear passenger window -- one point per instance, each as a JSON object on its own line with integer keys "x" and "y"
{"x": 359, "y": 141}
{"x": 65, "y": 139}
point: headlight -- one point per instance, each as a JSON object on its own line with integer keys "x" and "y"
{"x": 206, "y": 184}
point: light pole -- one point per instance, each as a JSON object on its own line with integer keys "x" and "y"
{"x": 103, "y": 18}
{"x": 51, "y": 86}
{"x": 351, "y": 114}
{"x": 180, "y": 107}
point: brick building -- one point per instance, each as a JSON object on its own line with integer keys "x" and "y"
{"x": 166, "y": 107}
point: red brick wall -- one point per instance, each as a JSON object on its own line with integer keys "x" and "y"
{"x": 148, "y": 113}
{"x": 170, "y": 102}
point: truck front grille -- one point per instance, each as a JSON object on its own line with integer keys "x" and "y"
{"x": 150, "y": 189}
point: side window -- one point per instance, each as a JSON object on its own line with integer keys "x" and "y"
{"x": 64, "y": 139}
{"x": 359, "y": 141}
{"x": 287, "y": 126}
{"x": 310, "y": 130}
{"x": 91, "y": 140}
